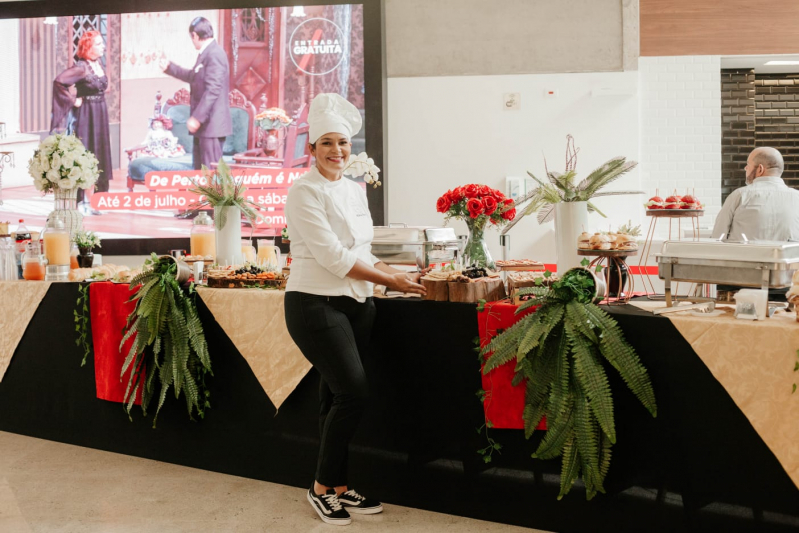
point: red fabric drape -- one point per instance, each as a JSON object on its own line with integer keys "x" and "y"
{"x": 504, "y": 403}
{"x": 109, "y": 313}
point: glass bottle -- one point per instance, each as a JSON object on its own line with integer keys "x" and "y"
{"x": 73, "y": 257}
{"x": 21, "y": 239}
{"x": 33, "y": 262}
{"x": 56, "y": 250}
{"x": 203, "y": 238}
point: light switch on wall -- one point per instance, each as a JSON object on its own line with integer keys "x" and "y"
{"x": 512, "y": 101}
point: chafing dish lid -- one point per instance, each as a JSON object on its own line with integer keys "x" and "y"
{"x": 752, "y": 251}
{"x": 412, "y": 235}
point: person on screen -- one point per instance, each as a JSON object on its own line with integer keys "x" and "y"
{"x": 210, "y": 120}
{"x": 328, "y": 303}
{"x": 87, "y": 110}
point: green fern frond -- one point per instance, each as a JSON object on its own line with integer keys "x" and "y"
{"x": 570, "y": 468}
{"x": 502, "y": 348}
{"x": 559, "y": 430}
{"x": 623, "y": 358}
{"x": 581, "y": 321}
{"x": 587, "y": 436}
{"x": 540, "y": 374}
{"x": 549, "y": 317}
{"x": 592, "y": 379}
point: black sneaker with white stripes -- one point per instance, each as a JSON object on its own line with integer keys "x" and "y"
{"x": 355, "y": 503}
{"x": 329, "y": 508}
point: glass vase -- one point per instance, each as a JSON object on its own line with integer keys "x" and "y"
{"x": 66, "y": 208}
{"x": 476, "y": 253}
{"x": 271, "y": 142}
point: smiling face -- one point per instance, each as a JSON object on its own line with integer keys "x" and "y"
{"x": 98, "y": 48}
{"x": 331, "y": 150}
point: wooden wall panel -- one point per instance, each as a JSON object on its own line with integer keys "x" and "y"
{"x": 719, "y": 27}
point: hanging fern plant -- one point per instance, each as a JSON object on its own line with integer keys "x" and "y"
{"x": 559, "y": 351}
{"x": 168, "y": 341}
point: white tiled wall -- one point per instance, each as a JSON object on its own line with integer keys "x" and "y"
{"x": 680, "y": 120}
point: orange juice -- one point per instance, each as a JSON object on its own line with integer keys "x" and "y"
{"x": 267, "y": 256}
{"x": 203, "y": 244}
{"x": 34, "y": 270}
{"x": 248, "y": 251}
{"x": 56, "y": 247}
{"x": 73, "y": 262}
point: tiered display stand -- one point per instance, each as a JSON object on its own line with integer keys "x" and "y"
{"x": 671, "y": 216}
{"x": 615, "y": 268}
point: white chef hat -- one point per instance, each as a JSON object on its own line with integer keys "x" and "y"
{"x": 331, "y": 113}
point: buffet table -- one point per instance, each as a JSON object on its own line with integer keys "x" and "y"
{"x": 417, "y": 445}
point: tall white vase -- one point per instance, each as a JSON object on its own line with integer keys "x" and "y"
{"x": 228, "y": 238}
{"x": 570, "y": 219}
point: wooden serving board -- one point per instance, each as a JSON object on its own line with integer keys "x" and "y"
{"x": 437, "y": 290}
{"x": 523, "y": 268}
{"x": 226, "y": 283}
{"x": 490, "y": 289}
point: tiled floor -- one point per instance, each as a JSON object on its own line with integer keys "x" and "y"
{"x": 47, "y": 486}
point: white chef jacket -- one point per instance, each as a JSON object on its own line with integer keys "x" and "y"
{"x": 766, "y": 210}
{"x": 330, "y": 228}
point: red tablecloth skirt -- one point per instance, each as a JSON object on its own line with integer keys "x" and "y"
{"x": 504, "y": 403}
{"x": 109, "y": 313}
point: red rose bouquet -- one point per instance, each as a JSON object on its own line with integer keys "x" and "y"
{"x": 477, "y": 205}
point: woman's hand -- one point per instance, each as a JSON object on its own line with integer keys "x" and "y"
{"x": 78, "y": 102}
{"x": 409, "y": 282}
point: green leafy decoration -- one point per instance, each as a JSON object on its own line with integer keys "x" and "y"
{"x": 565, "y": 187}
{"x": 562, "y": 353}
{"x": 168, "y": 342}
{"x": 83, "y": 322}
{"x": 221, "y": 189}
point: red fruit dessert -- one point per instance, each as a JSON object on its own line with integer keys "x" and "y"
{"x": 673, "y": 202}
{"x": 656, "y": 202}
{"x": 689, "y": 202}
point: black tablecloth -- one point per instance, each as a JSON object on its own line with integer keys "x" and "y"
{"x": 700, "y": 465}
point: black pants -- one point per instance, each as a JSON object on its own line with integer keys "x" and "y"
{"x": 206, "y": 150}
{"x": 332, "y": 332}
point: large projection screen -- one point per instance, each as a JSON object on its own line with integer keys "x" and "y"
{"x": 278, "y": 57}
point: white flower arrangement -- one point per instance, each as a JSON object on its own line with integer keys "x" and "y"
{"x": 363, "y": 165}
{"x": 62, "y": 162}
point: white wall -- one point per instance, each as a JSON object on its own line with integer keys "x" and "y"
{"x": 681, "y": 129}
{"x": 450, "y": 131}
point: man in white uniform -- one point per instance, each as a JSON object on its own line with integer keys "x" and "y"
{"x": 766, "y": 209}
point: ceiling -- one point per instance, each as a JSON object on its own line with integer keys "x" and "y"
{"x": 758, "y": 63}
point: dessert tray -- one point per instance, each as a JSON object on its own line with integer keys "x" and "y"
{"x": 469, "y": 285}
{"x": 246, "y": 277}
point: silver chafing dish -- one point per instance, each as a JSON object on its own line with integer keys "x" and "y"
{"x": 414, "y": 245}
{"x": 759, "y": 264}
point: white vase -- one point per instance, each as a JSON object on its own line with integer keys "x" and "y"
{"x": 571, "y": 219}
{"x": 228, "y": 237}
